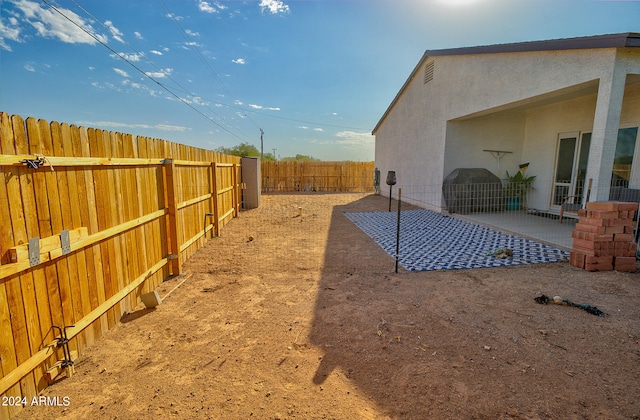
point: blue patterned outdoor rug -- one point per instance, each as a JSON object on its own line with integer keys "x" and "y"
{"x": 434, "y": 241}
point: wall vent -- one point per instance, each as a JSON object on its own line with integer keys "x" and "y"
{"x": 428, "y": 71}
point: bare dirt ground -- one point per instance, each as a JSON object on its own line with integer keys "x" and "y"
{"x": 303, "y": 317}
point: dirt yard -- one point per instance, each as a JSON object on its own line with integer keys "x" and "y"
{"x": 297, "y": 314}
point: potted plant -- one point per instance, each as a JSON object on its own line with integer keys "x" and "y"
{"x": 516, "y": 189}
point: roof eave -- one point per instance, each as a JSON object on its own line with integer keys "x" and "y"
{"x": 395, "y": 99}
{"x": 621, "y": 40}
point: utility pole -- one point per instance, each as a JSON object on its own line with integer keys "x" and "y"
{"x": 261, "y": 145}
{"x": 274, "y": 154}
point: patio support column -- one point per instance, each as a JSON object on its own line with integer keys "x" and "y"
{"x": 606, "y": 123}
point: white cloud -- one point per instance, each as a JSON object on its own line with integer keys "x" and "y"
{"x": 239, "y": 61}
{"x": 29, "y": 67}
{"x": 113, "y": 124}
{"x": 138, "y": 35}
{"x": 115, "y": 32}
{"x": 191, "y": 33}
{"x": 160, "y": 74}
{"x": 166, "y": 127}
{"x": 274, "y": 6}
{"x": 304, "y": 127}
{"x": 50, "y": 24}
{"x": 9, "y": 30}
{"x": 156, "y": 52}
{"x": 206, "y": 7}
{"x": 121, "y": 72}
{"x": 318, "y": 129}
{"x": 352, "y": 138}
{"x": 129, "y": 57}
{"x": 173, "y": 16}
{"x": 267, "y": 108}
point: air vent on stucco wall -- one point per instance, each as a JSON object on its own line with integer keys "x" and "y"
{"x": 428, "y": 71}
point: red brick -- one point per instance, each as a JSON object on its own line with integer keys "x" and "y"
{"x": 593, "y": 237}
{"x": 593, "y": 222}
{"x": 602, "y": 205}
{"x": 582, "y": 243}
{"x": 622, "y": 222}
{"x": 604, "y": 252}
{"x": 598, "y": 260}
{"x": 614, "y": 229}
{"x": 585, "y": 251}
{"x": 598, "y": 267}
{"x": 623, "y": 237}
{"x": 590, "y": 228}
{"x": 576, "y": 259}
{"x": 627, "y": 264}
{"x": 627, "y": 206}
{"x": 582, "y": 213}
{"x": 622, "y": 249}
{"x": 594, "y": 252}
{"x": 602, "y": 214}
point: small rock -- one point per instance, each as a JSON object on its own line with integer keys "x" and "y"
{"x": 487, "y": 348}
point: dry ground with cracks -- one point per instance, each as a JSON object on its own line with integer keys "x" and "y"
{"x": 302, "y": 317}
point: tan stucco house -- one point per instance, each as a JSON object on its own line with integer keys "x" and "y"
{"x": 570, "y": 108}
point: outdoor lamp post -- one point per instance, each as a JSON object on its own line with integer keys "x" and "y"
{"x": 391, "y": 181}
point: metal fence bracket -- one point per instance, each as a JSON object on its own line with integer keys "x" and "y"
{"x": 34, "y": 251}
{"x": 65, "y": 242}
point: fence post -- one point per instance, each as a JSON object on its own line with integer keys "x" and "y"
{"x": 172, "y": 228}
{"x": 234, "y": 182}
{"x": 213, "y": 201}
{"x": 214, "y": 197}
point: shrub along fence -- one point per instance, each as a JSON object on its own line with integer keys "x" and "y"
{"x": 288, "y": 176}
{"x": 89, "y": 221}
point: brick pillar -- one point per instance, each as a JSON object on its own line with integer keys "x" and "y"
{"x": 603, "y": 237}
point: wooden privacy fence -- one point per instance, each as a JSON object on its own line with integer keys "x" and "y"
{"x": 89, "y": 221}
{"x": 317, "y": 176}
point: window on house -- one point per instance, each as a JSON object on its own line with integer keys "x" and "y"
{"x": 625, "y": 148}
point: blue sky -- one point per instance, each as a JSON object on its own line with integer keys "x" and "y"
{"x": 314, "y": 75}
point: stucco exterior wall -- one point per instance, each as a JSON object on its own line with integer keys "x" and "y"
{"x": 467, "y": 139}
{"x": 411, "y": 142}
{"x": 503, "y": 89}
{"x": 541, "y": 135}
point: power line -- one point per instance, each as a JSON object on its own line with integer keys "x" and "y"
{"x": 119, "y": 55}
{"x": 204, "y": 62}
{"x": 138, "y": 53}
{"x": 193, "y": 46}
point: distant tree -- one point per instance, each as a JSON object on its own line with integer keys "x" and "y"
{"x": 244, "y": 150}
{"x": 301, "y": 158}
